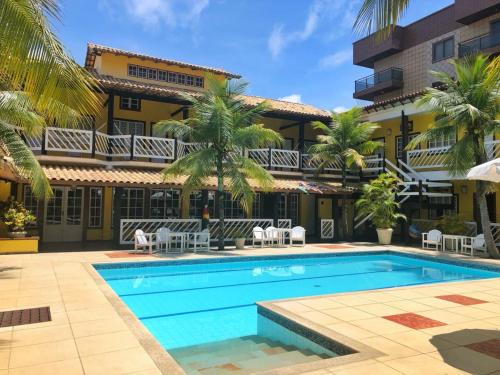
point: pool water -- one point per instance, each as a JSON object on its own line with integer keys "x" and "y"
{"x": 195, "y": 303}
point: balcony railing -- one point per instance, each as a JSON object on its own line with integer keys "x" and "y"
{"x": 434, "y": 158}
{"x": 377, "y": 83}
{"x": 480, "y": 43}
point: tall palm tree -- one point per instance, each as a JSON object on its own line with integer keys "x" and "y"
{"x": 379, "y": 15}
{"x": 39, "y": 82}
{"x": 469, "y": 105}
{"x": 223, "y": 126}
{"x": 346, "y": 140}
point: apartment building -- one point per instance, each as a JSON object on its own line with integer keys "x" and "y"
{"x": 106, "y": 174}
{"x": 401, "y": 71}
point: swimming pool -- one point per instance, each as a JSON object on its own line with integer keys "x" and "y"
{"x": 185, "y": 303}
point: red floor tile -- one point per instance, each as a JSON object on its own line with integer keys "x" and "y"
{"x": 414, "y": 321}
{"x": 124, "y": 254}
{"x": 490, "y": 347}
{"x": 462, "y": 300}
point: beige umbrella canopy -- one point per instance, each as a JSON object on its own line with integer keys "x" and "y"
{"x": 489, "y": 171}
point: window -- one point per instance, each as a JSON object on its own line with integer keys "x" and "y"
{"x": 165, "y": 76}
{"x": 294, "y": 209}
{"x": 256, "y": 206}
{"x": 399, "y": 144}
{"x": 165, "y": 203}
{"x": 74, "y": 206}
{"x": 54, "y": 207}
{"x": 128, "y": 127}
{"x": 436, "y": 213}
{"x": 129, "y": 103}
{"x": 288, "y": 207}
{"x": 232, "y": 207}
{"x": 444, "y": 141}
{"x": 132, "y": 203}
{"x": 444, "y": 49}
{"x": 95, "y": 207}
{"x": 196, "y": 204}
{"x": 30, "y": 202}
{"x": 282, "y": 206}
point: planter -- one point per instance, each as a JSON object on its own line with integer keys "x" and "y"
{"x": 17, "y": 234}
{"x": 240, "y": 243}
{"x": 384, "y": 236}
{"x": 19, "y": 245}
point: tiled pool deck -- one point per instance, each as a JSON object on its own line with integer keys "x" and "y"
{"x": 448, "y": 328}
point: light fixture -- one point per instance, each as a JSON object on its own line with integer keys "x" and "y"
{"x": 463, "y": 189}
{"x": 388, "y": 131}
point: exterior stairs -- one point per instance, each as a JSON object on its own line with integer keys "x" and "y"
{"x": 244, "y": 355}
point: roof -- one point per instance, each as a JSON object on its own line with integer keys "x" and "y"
{"x": 114, "y": 83}
{"x": 398, "y": 100}
{"x": 96, "y": 49}
{"x": 127, "y": 177}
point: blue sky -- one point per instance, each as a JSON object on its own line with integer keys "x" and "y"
{"x": 295, "y": 49}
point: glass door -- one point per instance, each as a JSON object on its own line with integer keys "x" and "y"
{"x": 64, "y": 215}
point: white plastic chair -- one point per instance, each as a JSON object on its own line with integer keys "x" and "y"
{"x": 200, "y": 240}
{"x": 272, "y": 235}
{"x": 477, "y": 243}
{"x": 259, "y": 236}
{"x": 298, "y": 235}
{"x": 432, "y": 240}
{"x": 162, "y": 239}
{"x": 143, "y": 241}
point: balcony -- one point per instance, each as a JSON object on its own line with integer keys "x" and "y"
{"x": 487, "y": 44}
{"x": 381, "y": 82}
{"x": 469, "y": 11}
{"x": 370, "y": 49}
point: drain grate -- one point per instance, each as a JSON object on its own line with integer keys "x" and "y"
{"x": 24, "y": 316}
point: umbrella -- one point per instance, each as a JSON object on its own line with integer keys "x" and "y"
{"x": 489, "y": 171}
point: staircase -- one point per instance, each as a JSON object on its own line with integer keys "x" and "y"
{"x": 413, "y": 184}
{"x": 244, "y": 355}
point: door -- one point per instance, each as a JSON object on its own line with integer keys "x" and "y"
{"x": 64, "y": 215}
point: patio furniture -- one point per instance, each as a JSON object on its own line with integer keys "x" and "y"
{"x": 199, "y": 240}
{"x": 272, "y": 235}
{"x": 162, "y": 239}
{"x": 298, "y": 234}
{"x": 177, "y": 242}
{"x": 259, "y": 236}
{"x": 474, "y": 243}
{"x": 143, "y": 241}
{"x": 432, "y": 240}
{"x": 454, "y": 240}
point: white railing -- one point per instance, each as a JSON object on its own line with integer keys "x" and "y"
{"x": 285, "y": 223}
{"x": 327, "y": 229}
{"x": 427, "y": 225}
{"x": 240, "y": 226}
{"x": 492, "y": 149}
{"x": 285, "y": 159}
{"x": 153, "y": 147}
{"x": 308, "y": 163}
{"x": 373, "y": 164}
{"x": 260, "y": 156}
{"x": 184, "y": 148}
{"x": 495, "y": 230}
{"x": 129, "y": 226}
{"x": 68, "y": 140}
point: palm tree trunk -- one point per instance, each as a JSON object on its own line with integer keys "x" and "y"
{"x": 220, "y": 198}
{"x": 344, "y": 204}
{"x": 485, "y": 219}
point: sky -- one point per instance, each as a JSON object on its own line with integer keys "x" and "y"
{"x": 295, "y": 50}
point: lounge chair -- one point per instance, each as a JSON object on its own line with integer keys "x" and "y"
{"x": 259, "y": 235}
{"x": 469, "y": 244}
{"x": 432, "y": 240}
{"x": 162, "y": 239}
{"x": 200, "y": 240}
{"x": 143, "y": 241}
{"x": 272, "y": 235}
{"x": 298, "y": 235}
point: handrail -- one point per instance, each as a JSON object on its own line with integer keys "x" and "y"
{"x": 378, "y": 77}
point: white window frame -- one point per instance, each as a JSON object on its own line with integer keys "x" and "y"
{"x": 130, "y": 103}
{"x": 399, "y": 144}
{"x": 95, "y": 207}
{"x": 127, "y": 204}
{"x": 442, "y": 142}
{"x": 176, "y": 209}
{"x": 433, "y": 215}
{"x": 256, "y": 206}
{"x": 30, "y": 202}
{"x": 128, "y": 127}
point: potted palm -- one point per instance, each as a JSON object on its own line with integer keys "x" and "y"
{"x": 378, "y": 201}
{"x": 239, "y": 239}
{"x": 15, "y": 216}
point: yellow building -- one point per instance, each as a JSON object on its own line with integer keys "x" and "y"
{"x": 402, "y": 66}
{"x": 106, "y": 175}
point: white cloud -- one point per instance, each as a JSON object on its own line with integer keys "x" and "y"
{"x": 338, "y": 14}
{"x": 294, "y": 98}
{"x": 153, "y": 14}
{"x": 340, "y": 109}
{"x": 336, "y": 59}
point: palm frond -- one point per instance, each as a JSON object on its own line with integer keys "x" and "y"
{"x": 379, "y": 16}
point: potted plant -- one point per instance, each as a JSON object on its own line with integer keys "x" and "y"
{"x": 15, "y": 216}
{"x": 452, "y": 224}
{"x": 378, "y": 200}
{"x": 239, "y": 238}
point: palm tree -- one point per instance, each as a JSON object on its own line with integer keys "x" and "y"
{"x": 379, "y": 15}
{"x": 345, "y": 141}
{"x": 39, "y": 82}
{"x": 469, "y": 105}
{"x": 224, "y": 127}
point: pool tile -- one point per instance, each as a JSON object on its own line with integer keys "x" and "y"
{"x": 460, "y": 299}
{"x": 391, "y": 349}
{"x": 379, "y": 309}
{"x": 423, "y": 365}
{"x": 414, "y": 321}
{"x": 489, "y": 347}
{"x": 117, "y": 362}
{"x": 380, "y": 326}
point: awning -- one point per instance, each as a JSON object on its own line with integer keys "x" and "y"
{"x": 128, "y": 177}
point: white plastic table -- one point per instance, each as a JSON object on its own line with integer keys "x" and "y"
{"x": 455, "y": 240}
{"x": 281, "y": 234}
{"x": 178, "y": 238}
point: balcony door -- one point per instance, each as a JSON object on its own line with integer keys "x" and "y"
{"x": 64, "y": 215}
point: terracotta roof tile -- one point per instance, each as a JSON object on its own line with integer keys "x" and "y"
{"x": 111, "y": 82}
{"x": 62, "y": 174}
{"x": 93, "y": 49}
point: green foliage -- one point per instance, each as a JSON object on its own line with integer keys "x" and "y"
{"x": 15, "y": 216}
{"x": 237, "y": 233}
{"x": 379, "y": 15}
{"x": 452, "y": 224}
{"x": 379, "y": 200}
{"x": 345, "y": 139}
